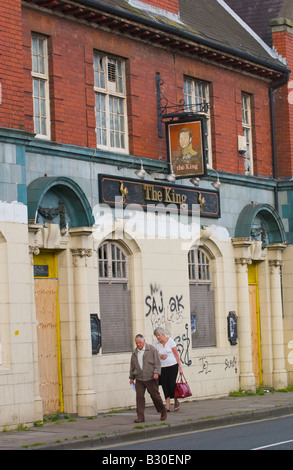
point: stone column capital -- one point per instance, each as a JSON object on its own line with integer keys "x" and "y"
{"x": 81, "y": 253}
{"x": 275, "y": 264}
{"x": 243, "y": 261}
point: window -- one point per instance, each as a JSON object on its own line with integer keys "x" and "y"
{"x": 110, "y": 103}
{"x": 203, "y": 330}
{"x": 247, "y": 133}
{"x": 197, "y": 99}
{"x": 40, "y": 86}
{"x": 115, "y": 299}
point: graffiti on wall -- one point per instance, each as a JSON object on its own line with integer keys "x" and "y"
{"x": 171, "y": 312}
{"x": 231, "y": 364}
{"x": 162, "y": 312}
{"x": 183, "y": 344}
{"x": 204, "y": 366}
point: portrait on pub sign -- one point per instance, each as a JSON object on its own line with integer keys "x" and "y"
{"x": 186, "y": 147}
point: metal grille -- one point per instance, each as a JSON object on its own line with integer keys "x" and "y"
{"x": 116, "y": 321}
{"x": 115, "y": 299}
{"x": 203, "y": 329}
{"x": 202, "y": 311}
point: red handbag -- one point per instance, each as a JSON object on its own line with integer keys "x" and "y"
{"x": 182, "y": 389}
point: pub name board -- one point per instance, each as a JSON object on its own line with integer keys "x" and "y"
{"x": 150, "y": 195}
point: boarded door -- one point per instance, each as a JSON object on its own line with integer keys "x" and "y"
{"x": 46, "y": 299}
{"x": 255, "y": 324}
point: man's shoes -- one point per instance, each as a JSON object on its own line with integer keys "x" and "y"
{"x": 139, "y": 420}
{"x": 164, "y": 415}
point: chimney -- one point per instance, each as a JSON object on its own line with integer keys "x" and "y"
{"x": 171, "y": 6}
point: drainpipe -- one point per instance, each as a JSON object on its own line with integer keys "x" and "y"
{"x": 273, "y": 87}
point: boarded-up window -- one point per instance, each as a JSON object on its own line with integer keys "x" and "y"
{"x": 115, "y": 299}
{"x": 202, "y": 311}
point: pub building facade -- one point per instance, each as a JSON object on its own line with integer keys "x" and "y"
{"x": 138, "y": 190}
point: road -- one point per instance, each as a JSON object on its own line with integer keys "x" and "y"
{"x": 267, "y": 434}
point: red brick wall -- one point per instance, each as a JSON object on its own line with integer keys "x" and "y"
{"x": 71, "y": 46}
{"x": 283, "y": 99}
{"x": 11, "y": 99}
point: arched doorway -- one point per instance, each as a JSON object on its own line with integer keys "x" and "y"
{"x": 260, "y": 222}
{"x": 260, "y": 238}
{"x": 52, "y": 202}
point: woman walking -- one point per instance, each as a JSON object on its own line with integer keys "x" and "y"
{"x": 170, "y": 363}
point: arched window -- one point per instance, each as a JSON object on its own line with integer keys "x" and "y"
{"x": 115, "y": 299}
{"x": 202, "y": 310}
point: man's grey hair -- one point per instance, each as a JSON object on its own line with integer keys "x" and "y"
{"x": 139, "y": 336}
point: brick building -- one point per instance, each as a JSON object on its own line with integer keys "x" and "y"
{"x": 275, "y": 27}
{"x": 108, "y": 228}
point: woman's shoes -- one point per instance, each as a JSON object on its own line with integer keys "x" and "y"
{"x": 176, "y": 405}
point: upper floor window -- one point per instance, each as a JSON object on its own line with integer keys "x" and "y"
{"x": 247, "y": 132}
{"x": 40, "y": 76}
{"x": 197, "y": 99}
{"x": 110, "y": 103}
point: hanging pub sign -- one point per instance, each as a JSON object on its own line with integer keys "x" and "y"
{"x": 186, "y": 147}
{"x": 122, "y": 192}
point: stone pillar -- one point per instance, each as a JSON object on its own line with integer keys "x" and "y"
{"x": 280, "y": 379}
{"x": 242, "y": 259}
{"x": 86, "y": 396}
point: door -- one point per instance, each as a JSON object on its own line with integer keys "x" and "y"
{"x": 255, "y": 323}
{"x": 48, "y": 331}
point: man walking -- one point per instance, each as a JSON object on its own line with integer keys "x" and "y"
{"x": 145, "y": 368}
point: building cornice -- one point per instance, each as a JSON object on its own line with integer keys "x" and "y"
{"x": 163, "y": 35}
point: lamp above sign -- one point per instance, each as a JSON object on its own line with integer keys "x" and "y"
{"x": 186, "y": 147}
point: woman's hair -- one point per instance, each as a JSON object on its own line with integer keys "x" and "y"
{"x": 159, "y": 330}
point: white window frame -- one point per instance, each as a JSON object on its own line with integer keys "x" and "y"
{"x": 113, "y": 263}
{"x": 40, "y": 75}
{"x": 197, "y": 93}
{"x": 199, "y": 267}
{"x": 247, "y": 132}
{"x": 110, "y": 92}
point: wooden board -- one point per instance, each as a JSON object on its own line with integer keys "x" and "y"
{"x": 254, "y": 333}
{"x": 46, "y": 297}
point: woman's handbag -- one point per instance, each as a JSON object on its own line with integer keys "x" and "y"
{"x": 182, "y": 389}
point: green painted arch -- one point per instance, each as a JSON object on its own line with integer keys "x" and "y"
{"x": 73, "y": 197}
{"x": 270, "y": 218}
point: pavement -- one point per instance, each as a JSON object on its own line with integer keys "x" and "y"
{"x": 117, "y": 426}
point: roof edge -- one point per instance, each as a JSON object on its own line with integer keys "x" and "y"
{"x": 189, "y": 36}
{"x": 272, "y": 52}
{"x": 277, "y": 67}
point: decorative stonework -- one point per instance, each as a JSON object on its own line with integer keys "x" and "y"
{"x": 242, "y": 262}
{"x": 81, "y": 253}
{"x": 34, "y": 250}
{"x": 275, "y": 264}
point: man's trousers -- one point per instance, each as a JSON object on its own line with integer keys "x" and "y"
{"x": 152, "y": 386}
